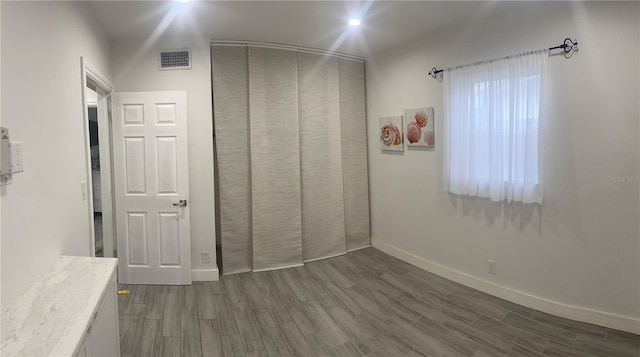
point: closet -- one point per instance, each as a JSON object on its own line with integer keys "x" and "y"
{"x": 290, "y": 132}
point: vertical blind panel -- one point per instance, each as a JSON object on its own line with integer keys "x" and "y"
{"x": 323, "y": 231}
{"x": 275, "y": 158}
{"x": 230, "y": 98}
{"x": 354, "y": 153}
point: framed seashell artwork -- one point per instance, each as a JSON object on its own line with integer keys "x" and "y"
{"x": 391, "y": 133}
{"x": 419, "y": 127}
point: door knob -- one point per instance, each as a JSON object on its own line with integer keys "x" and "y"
{"x": 182, "y": 203}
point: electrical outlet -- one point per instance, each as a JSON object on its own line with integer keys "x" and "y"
{"x": 206, "y": 256}
{"x": 16, "y": 157}
{"x": 492, "y": 266}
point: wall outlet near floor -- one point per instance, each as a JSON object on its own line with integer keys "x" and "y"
{"x": 492, "y": 266}
{"x": 206, "y": 256}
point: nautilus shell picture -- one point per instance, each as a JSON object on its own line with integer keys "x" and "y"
{"x": 391, "y": 133}
{"x": 419, "y": 130}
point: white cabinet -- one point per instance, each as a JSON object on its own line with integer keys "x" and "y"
{"x": 103, "y": 337}
{"x": 69, "y": 310}
{"x": 85, "y": 347}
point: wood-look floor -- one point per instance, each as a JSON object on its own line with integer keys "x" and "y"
{"x": 365, "y": 303}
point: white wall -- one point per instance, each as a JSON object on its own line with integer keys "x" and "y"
{"x": 135, "y": 68}
{"x": 43, "y": 214}
{"x": 582, "y": 248}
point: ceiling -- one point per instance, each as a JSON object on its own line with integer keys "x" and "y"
{"x": 315, "y": 24}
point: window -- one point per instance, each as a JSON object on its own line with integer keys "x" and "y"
{"x": 492, "y": 129}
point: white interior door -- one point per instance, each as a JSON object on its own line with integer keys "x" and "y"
{"x": 152, "y": 187}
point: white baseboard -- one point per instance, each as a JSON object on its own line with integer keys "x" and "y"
{"x": 278, "y": 268}
{"x": 595, "y": 317}
{"x": 355, "y": 249}
{"x": 323, "y": 258}
{"x": 205, "y": 274}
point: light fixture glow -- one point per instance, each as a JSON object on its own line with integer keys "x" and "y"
{"x": 354, "y": 22}
{"x": 183, "y": 1}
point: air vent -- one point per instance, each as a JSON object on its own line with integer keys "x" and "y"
{"x": 175, "y": 59}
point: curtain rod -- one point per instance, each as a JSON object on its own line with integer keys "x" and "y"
{"x": 568, "y": 46}
{"x": 285, "y": 47}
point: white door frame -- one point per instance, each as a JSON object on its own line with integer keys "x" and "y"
{"x": 104, "y": 88}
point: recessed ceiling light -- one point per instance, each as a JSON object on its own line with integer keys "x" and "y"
{"x": 183, "y": 0}
{"x": 354, "y": 22}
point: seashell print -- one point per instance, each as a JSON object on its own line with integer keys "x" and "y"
{"x": 429, "y": 138}
{"x": 419, "y": 132}
{"x": 413, "y": 132}
{"x": 390, "y": 135}
{"x": 422, "y": 119}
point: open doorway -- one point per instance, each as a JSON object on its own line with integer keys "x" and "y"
{"x": 97, "y": 104}
{"x": 94, "y": 149}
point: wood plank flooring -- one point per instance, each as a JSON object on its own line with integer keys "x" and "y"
{"x": 365, "y": 303}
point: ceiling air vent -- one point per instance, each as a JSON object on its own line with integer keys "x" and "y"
{"x": 175, "y": 59}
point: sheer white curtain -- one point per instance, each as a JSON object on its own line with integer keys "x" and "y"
{"x": 493, "y": 127}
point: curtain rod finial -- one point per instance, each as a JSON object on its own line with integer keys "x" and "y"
{"x": 436, "y": 73}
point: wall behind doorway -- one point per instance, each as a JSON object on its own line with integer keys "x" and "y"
{"x": 135, "y": 69}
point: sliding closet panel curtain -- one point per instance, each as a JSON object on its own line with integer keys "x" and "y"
{"x": 291, "y": 152}
{"x": 354, "y": 153}
{"x": 230, "y": 97}
{"x": 323, "y": 230}
{"x": 275, "y": 158}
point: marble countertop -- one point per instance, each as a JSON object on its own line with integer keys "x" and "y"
{"x": 51, "y": 317}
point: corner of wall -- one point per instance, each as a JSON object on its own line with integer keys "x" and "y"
{"x": 580, "y": 248}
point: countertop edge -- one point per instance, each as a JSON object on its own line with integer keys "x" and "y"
{"x": 45, "y": 319}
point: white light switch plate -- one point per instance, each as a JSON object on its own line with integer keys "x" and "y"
{"x": 17, "y": 164}
{"x": 83, "y": 185}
